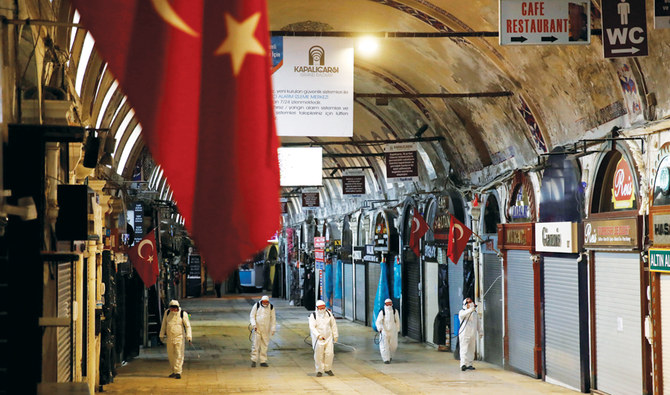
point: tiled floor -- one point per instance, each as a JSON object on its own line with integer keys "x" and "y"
{"x": 219, "y": 361}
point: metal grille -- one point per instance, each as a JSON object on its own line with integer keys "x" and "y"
{"x": 431, "y": 303}
{"x": 64, "y": 334}
{"x": 413, "y": 302}
{"x": 374, "y": 270}
{"x": 360, "y": 292}
{"x": 561, "y": 320}
{"x": 348, "y": 291}
{"x": 520, "y": 311}
{"x": 618, "y": 323}
{"x": 493, "y": 310}
{"x": 455, "y": 294}
{"x": 665, "y": 327}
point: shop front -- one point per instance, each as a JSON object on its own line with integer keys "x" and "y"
{"x": 412, "y": 276}
{"x": 383, "y": 252}
{"x": 620, "y": 354}
{"x": 492, "y": 282}
{"x": 346, "y": 256}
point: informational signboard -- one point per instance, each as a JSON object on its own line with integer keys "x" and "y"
{"x": 624, "y": 28}
{"x": 284, "y": 206}
{"x": 548, "y": 22}
{"x": 353, "y": 182}
{"x": 659, "y": 260}
{"x": 310, "y": 200}
{"x": 138, "y": 221}
{"x": 401, "y": 162}
{"x": 662, "y": 14}
{"x": 611, "y": 233}
{"x": 193, "y": 277}
{"x": 313, "y": 82}
{"x": 319, "y": 256}
{"x": 319, "y": 243}
{"x": 556, "y": 237}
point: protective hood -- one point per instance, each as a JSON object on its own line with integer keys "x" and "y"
{"x": 173, "y": 303}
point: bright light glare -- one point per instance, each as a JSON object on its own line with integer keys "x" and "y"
{"x": 368, "y": 46}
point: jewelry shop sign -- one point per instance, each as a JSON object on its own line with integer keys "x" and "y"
{"x": 659, "y": 260}
{"x": 611, "y": 233}
{"x": 556, "y": 237}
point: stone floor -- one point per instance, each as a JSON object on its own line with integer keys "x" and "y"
{"x": 219, "y": 362}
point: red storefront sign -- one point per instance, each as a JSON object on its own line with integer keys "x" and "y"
{"x": 623, "y": 186}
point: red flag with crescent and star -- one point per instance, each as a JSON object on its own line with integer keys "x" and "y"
{"x": 197, "y": 73}
{"x": 419, "y": 228}
{"x": 459, "y": 235}
{"x": 144, "y": 258}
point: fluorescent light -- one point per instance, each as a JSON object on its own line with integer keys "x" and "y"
{"x": 368, "y": 46}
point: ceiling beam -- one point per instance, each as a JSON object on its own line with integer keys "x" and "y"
{"x": 364, "y": 142}
{"x": 315, "y": 33}
{"x": 433, "y": 95}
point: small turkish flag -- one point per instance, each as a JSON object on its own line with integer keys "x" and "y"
{"x": 144, "y": 258}
{"x": 419, "y": 228}
{"x": 459, "y": 235}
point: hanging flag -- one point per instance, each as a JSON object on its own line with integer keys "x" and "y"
{"x": 144, "y": 258}
{"x": 419, "y": 228}
{"x": 197, "y": 73}
{"x": 459, "y": 235}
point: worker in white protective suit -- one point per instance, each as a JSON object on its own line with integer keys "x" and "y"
{"x": 175, "y": 325}
{"x": 467, "y": 333}
{"x": 263, "y": 325}
{"x": 388, "y": 325}
{"x": 323, "y": 329}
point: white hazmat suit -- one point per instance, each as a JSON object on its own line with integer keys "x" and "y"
{"x": 467, "y": 333}
{"x": 263, "y": 323}
{"x": 175, "y": 325}
{"x": 323, "y": 329}
{"x": 388, "y": 325}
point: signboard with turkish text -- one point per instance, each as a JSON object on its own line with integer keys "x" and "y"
{"x": 193, "y": 276}
{"x": 313, "y": 85}
{"x": 430, "y": 252}
{"x": 662, "y": 14}
{"x": 310, "y": 199}
{"x": 370, "y": 254}
{"x": 284, "y": 207}
{"x": 441, "y": 222}
{"x": 138, "y": 221}
{"x": 548, "y": 22}
{"x": 401, "y": 162}
{"x": 611, "y": 233}
{"x": 624, "y": 28}
{"x": 515, "y": 236}
{"x": 659, "y": 260}
{"x": 319, "y": 243}
{"x": 623, "y": 186}
{"x": 353, "y": 182}
{"x": 557, "y": 237}
{"x": 659, "y": 228}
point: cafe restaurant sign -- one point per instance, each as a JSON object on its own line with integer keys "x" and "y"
{"x": 611, "y": 233}
{"x": 556, "y": 237}
{"x": 623, "y": 186}
{"x": 659, "y": 260}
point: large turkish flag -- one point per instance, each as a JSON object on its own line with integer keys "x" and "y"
{"x": 197, "y": 73}
{"x": 144, "y": 258}
{"x": 459, "y": 235}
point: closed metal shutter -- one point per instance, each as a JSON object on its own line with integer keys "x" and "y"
{"x": 64, "y": 334}
{"x": 665, "y": 328}
{"x": 618, "y": 323}
{"x": 431, "y": 303}
{"x": 360, "y": 292}
{"x": 455, "y": 294}
{"x": 561, "y": 321}
{"x": 348, "y": 291}
{"x": 521, "y": 311}
{"x": 493, "y": 309}
{"x": 412, "y": 304}
{"x": 374, "y": 270}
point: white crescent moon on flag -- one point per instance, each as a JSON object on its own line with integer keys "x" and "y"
{"x": 460, "y": 230}
{"x": 169, "y": 15}
{"x": 415, "y": 221}
{"x": 139, "y": 247}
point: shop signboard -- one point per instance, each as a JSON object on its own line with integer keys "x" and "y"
{"x": 353, "y": 182}
{"x": 662, "y": 14}
{"x": 611, "y": 233}
{"x": 370, "y": 254}
{"x": 660, "y": 229}
{"x": 430, "y": 252}
{"x": 358, "y": 254}
{"x": 515, "y": 236}
{"x": 659, "y": 260}
{"x": 623, "y": 186}
{"x": 548, "y": 22}
{"x": 441, "y": 222}
{"x": 401, "y": 162}
{"x": 624, "y": 28}
{"x": 557, "y": 237}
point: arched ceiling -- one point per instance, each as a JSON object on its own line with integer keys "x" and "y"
{"x": 554, "y": 95}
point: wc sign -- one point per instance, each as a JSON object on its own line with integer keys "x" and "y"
{"x": 624, "y": 28}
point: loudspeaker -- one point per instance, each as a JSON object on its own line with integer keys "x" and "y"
{"x": 91, "y": 149}
{"x": 73, "y": 207}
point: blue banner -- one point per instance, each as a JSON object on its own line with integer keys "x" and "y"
{"x": 328, "y": 286}
{"x": 382, "y": 294}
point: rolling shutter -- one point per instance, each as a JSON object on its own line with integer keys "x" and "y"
{"x": 493, "y": 310}
{"x": 64, "y": 334}
{"x": 521, "y": 311}
{"x": 412, "y": 304}
{"x": 665, "y": 328}
{"x": 374, "y": 270}
{"x": 618, "y": 323}
{"x": 561, "y": 321}
{"x": 455, "y": 294}
{"x": 348, "y": 291}
{"x": 360, "y": 292}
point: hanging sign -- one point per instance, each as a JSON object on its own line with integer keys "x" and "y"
{"x": 662, "y": 14}
{"x": 611, "y": 233}
{"x": 624, "y": 28}
{"x": 401, "y": 162}
{"x": 284, "y": 205}
{"x": 430, "y": 252}
{"x": 623, "y": 186}
{"x": 313, "y": 84}
{"x": 548, "y": 22}
{"x": 659, "y": 260}
{"x": 441, "y": 222}
{"x": 353, "y": 182}
{"x": 310, "y": 199}
{"x": 556, "y": 237}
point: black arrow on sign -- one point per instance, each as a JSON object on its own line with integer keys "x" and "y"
{"x": 549, "y": 38}
{"x": 518, "y": 39}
